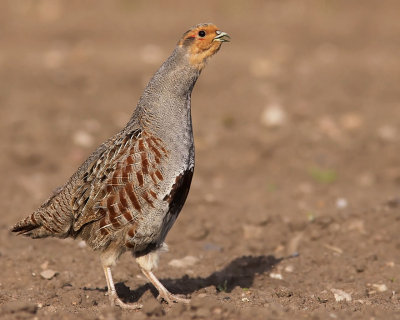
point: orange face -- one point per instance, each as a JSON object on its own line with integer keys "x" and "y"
{"x": 202, "y": 42}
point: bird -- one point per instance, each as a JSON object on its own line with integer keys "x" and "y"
{"x": 127, "y": 195}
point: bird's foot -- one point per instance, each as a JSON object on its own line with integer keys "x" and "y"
{"x": 163, "y": 293}
{"x": 172, "y": 298}
{"x": 115, "y": 301}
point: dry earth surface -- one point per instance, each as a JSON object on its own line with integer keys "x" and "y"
{"x": 297, "y": 128}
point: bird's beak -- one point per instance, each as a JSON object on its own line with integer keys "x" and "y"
{"x": 222, "y": 36}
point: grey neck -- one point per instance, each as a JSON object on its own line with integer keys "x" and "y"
{"x": 165, "y": 102}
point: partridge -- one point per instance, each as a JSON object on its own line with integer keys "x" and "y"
{"x": 127, "y": 195}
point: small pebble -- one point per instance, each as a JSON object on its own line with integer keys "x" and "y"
{"x": 341, "y": 203}
{"x": 48, "y": 274}
{"x": 380, "y": 287}
{"x": 340, "y": 295}
{"x": 276, "y": 276}
{"x": 82, "y": 244}
{"x": 273, "y": 116}
{"x": 289, "y": 268}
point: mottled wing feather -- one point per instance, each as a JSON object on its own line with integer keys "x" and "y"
{"x": 92, "y": 189}
{"x": 121, "y": 184}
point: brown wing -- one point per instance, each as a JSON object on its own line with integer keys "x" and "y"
{"x": 123, "y": 179}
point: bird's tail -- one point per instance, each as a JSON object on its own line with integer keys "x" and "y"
{"x": 42, "y": 224}
{"x": 50, "y": 220}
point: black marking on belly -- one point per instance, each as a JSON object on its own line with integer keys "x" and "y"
{"x": 176, "y": 199}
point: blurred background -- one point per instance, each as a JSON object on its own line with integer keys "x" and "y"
{"x": 297, "y": 141}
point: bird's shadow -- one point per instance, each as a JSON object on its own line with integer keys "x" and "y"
{"x": 240, "y": 272}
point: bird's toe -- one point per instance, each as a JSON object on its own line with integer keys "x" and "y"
{"x": 172, "y": 298}
{"x": 115, "y": 301}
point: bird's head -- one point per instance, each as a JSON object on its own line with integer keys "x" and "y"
{"x": 201, "y": 42}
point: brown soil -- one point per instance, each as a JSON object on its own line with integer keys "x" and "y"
{"x": 322, "y": 181}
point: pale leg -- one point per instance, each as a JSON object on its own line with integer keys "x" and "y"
{"x": 112, "y": 293}
{"x": 162, "y": 291}
{"x": 147, "y": 263}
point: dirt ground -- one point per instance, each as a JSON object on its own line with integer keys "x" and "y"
{"x": 294, "y": 211}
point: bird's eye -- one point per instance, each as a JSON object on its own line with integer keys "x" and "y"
{"x": 202, "y": 33}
